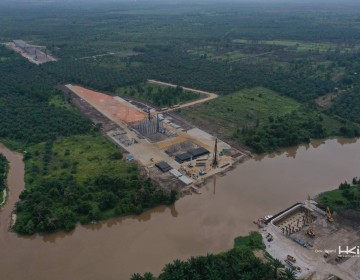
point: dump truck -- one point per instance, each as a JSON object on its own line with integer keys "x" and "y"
{"x": 291, "y": 258}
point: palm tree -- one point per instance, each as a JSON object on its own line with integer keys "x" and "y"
{"x": 277, "y": 264}
{"x": 148, "y": 276}
{"x": 136, "y": 276}
{"x": 289, "y": 274}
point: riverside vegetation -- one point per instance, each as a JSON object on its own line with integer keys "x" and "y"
{"x": 347, "y": 196}
{"x": 72, "y": 173}
{"x": 238, "y": 263}
{"x": 3, "y": 175}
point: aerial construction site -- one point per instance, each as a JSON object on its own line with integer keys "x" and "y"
{"x": 311, "y": 241}
{"x": 173, "y": 152}
{"x": 35, "y": 54}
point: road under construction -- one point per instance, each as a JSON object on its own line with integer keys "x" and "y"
{"x": 158, "y": 139}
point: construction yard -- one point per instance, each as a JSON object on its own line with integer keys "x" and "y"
{"x": 307, "y": 240}
{"x": 35, "y": 54}
{"x": 174, "y": 153}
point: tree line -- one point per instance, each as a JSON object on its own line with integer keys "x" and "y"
{"x": 3, "y": 174}
{"x": 239, "y": 263}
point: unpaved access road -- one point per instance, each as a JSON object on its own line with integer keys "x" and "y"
{"x": 209, "y": 97}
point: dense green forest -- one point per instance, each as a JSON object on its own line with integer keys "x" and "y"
{"x": 347, "y": 106}
{"x": 72, "y": 173}
{"x": 294, "y": 128}
{"x": 219, "y": 49}
{"x": 26, "y": 115}
{"x": 3, "y": 175}
{"x": 238, "y": 263}
{"x": 347, "y": 196}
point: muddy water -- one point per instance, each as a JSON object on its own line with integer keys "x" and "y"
{"x": 196, "y": 225}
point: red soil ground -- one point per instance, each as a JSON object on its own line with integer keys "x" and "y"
{"x": 110, "y": 106}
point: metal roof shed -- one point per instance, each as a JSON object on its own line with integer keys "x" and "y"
{"x": 198, "y": 152}
{"x": 163, "y": 166}
{"x": 183, "y": 157}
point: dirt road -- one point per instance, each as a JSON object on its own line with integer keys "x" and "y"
{"x": 209, "y": 97}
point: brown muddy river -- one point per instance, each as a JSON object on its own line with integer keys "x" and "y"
{"x": 196, "y": 225}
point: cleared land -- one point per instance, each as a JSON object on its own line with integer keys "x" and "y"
{"x": 179, "y": 139}
{"x": 328, "y": 236}
{"x": 37, "y": 57}
{"x": 115, "y": 107}
{"x": 243, "y": 108}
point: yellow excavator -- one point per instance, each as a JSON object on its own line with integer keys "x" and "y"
{"x": 310, "y": 231}
{"x": 329, "y": 216}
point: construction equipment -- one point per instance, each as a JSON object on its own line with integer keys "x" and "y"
{"x": 215, "y": 159}
{"x": 291, "y": 258}
{"x": 329, "y": 216}
{"x": 310, "y": 231}
{"x": 202, "y": 172}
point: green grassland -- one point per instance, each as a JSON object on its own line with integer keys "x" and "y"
{"x": 243, "y": 108}
{"x": 77, "y": 155}
{"x": 347, "y": 196}
{"x": 266, "y": 121}
{"x": 158, "y": 95}
{"x": 253, "y": 241}
{"x": 81, "y": 178}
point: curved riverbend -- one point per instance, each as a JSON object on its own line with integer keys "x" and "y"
{"x": 196, "y": 225}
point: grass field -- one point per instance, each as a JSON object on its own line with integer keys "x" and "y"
{"x": 345, "y": 198}
{"x": 78, "y": 156}
{"x": 243, "y": 108}
{"x": 252, "y": 241}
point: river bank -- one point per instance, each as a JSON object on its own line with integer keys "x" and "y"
{"x": 4, "y": 194}
{"x": 195, "y": 225}
{"x": 15, "y": 185}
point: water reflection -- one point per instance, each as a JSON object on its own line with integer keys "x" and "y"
{"x": 96, "y": 226}
{"x": 292, "y": 151}
{"x": 346, "y": 141}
